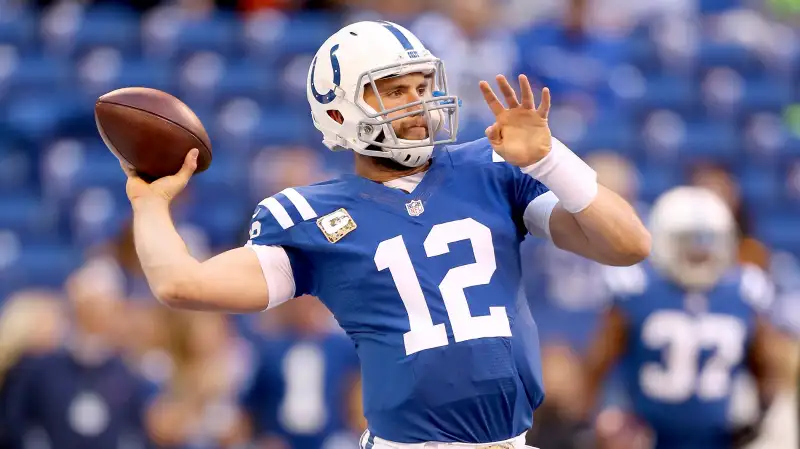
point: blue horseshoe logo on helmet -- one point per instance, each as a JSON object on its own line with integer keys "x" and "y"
{"x": 337, "y": 78}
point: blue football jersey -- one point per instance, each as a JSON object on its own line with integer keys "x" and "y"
{"x": 426, "y": 285}
{"x": 300, "y": 388}
{"x": 686, "y": 351}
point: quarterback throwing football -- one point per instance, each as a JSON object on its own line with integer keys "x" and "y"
{"x": 417, "y": 253}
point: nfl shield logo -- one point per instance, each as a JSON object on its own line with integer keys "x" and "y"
{"x": 415, "y": 208}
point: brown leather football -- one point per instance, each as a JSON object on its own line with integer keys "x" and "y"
{"x": 151, "y": 130}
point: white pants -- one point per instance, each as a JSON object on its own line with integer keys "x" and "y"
{"x": 370, "y": 441}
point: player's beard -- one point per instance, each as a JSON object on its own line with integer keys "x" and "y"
{"x": 402, "y": 133}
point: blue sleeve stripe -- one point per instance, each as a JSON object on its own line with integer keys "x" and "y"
{"x": 300, "y": 203}
{"x": 278, "y": 211}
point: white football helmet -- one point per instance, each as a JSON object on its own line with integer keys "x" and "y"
{"x": 694, "y": 236}
{"x": 348, "y": 63}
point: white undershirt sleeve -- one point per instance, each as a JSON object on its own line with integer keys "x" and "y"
{"x": 277, "y": 272}
{"x": 537, "y": 214}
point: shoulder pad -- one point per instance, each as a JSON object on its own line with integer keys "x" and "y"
{"x": 625, "y": 281}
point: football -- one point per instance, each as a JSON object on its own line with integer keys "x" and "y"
{"x": 151, "y": 130}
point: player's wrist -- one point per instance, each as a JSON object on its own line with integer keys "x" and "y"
{"x": 149, "y": 204}
{"x": 567, "y": 176}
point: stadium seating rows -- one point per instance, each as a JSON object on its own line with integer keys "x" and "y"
{"x": 61, "y": 190}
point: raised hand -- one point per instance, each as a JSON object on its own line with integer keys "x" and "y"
{"x": 520, "y": 133}
{"x": 162, "y": 189}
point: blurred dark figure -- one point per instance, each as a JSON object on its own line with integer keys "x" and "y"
{"x": 197, "y": 406}
{"x": 718, "y": 179}
{"x": 558, "y": 424}
{"x": 31, "y": 325}
{"x": 83, "y": 396}
{"x": 617, "y": 429}
{"x": 305, "y": 392}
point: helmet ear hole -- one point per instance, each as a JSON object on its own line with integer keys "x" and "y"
{"x": 336, "y": 115}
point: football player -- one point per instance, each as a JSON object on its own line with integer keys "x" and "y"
{"x": 687, "y": 326}
{"x": 417, "y": 253}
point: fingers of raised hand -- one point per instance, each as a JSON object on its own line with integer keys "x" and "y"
{"x": 494, "y": 104}
{"x": 527, "y": 93}
{"x": 508, "y": 92}
{"x": 544, "y": 107}
{"x": 493, "y": 133}
{"x": 189, "y": 164}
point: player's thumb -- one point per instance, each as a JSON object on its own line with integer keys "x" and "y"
{"x": 189, "y": 165}
{"x": 493, "y": 133}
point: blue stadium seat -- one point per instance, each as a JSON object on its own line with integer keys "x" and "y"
{"x": 24, "y": 213}
{"x": 760, "y": 186}
{"x": 218, "y": 33}
{"x": 792, "y": 147}
{"x": 99, "y": 169}
{"x": 765, "y": 93}
{"x": 715, "y": 54}
{"x": 39, "y": 115}
{"x": 16, "y": 167}
{"x": 225, "y": 221}
{"x": 657, "y": 178}
{"x": 711, "y": 139}
{"x": 306, "y": 32}
{"x": 97, "y": 215}
{"x": 613, "y": 132}
{"x": 41, "y": 266}
{"x": 225, "y": 179}
{"x": 247, "y": 78}
{"x": 149, "y": 73}
{"x": 718, "y": 6}
{"x": 278, "y": 128}
{"x": 674, "y": 92}
{"x": 780, "y": 231}
{"x": 40, "y": 72}
{"x": 109, "y": 27}
{"x": 17, "y": 28}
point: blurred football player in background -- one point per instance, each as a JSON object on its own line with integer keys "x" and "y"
{"x": 417, "y": 254}
{"x": 719, "y": 180}
{"x": 688, "y": 327}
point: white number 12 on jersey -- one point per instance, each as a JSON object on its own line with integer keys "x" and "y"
{"x": 423, "y": 334}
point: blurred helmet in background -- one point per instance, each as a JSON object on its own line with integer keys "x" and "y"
{"x": 694, "y": 236}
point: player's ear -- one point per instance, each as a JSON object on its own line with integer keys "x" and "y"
{"x": 336, "y": 115}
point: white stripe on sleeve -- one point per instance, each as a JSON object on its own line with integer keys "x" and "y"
{"x": 279, "y": 212}
{"x": 300, "y": 203}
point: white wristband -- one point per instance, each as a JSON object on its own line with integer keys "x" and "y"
{"x": 567, "y": 176}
